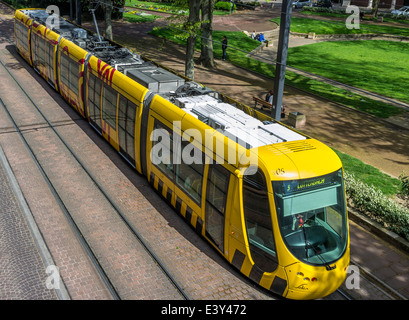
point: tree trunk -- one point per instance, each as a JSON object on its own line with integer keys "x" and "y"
{"x": 108, "y": 21}
{"x": 194, "y": 9}
{"x": 206, "y": 56}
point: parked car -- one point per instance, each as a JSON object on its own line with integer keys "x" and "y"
{"x": 403, "y": 11}
{"x": 301, "y": 3}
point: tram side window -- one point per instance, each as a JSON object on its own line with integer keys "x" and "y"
{"x": 34, "y": 43}
{"x": 109, "y": 102}
{"x": 41, "y": 50}
{"x": 217, "y": 185}
{"x": 189, "y": 173}
{"x": 257, "y": 216}
{"x": 162, "y": 149}
{"x": 22, "y": 35}
{"x": 50, "y": 61}
{"x": 216, "y": 198}
{"x": 126, "y": 125}
{"x": 69, "y": 73}
{"x": 64, "y": 70}
{"x": 130, "y": 128}
{"x": 74, "y": 76}
{"x": 94, "y": 99}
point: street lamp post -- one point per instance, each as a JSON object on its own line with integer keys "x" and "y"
{"x": 281, "y": 58}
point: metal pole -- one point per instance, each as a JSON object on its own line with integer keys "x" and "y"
{"x": 281, "y": 58}
{"x": 96, "y": 23}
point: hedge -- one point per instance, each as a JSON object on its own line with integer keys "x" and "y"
{"x": 371, "y": 202}
{"x": 222, "y": 5}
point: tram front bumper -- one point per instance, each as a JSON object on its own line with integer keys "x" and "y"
{"x": 311, "y": 282}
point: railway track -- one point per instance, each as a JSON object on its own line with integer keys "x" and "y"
{"x": 82, "y": 236}
{"x": 198, "y": 272}
{"x": 365, "y": 286}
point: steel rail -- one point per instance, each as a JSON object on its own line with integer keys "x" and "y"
{"x": 94, "y": 180}
{"x": 381, "y": 285}
{"x": 64, "y": 209}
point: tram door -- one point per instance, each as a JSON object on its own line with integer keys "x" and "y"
{"x": 216, "y": 198}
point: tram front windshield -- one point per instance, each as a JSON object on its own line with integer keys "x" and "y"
{"x": 312, "y": 217}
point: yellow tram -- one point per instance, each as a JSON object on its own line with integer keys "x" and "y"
{"x": 270, "y": 199}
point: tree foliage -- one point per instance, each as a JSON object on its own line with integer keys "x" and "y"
{"x": 194, "y": 26}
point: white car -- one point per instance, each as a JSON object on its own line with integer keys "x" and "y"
{"x": 301, "y": 3}
{"x": 404, "y": 11}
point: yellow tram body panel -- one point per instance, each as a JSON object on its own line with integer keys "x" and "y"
{"x": 300, "y": 160}
{"x": 22, "y": 29}
{"x": 164, "y": 116}
{"x": 116, "y": 89}
{"x": 70, "y": 73}
{"x": 44, "y": 52}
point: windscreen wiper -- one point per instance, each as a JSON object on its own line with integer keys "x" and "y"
{"x": 325, "y": 263}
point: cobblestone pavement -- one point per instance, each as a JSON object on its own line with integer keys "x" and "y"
{"x": 22, "y": 271}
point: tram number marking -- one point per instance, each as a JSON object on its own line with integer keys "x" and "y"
{"x": 280, "y": 172}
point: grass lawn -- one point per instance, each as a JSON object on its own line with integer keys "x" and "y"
{"x": 306, "y": 25}
{"x": 235, "y": 39}
{"x": 398, "y": 22}
{"x": 376, "y": 65}
{"x": 139, "y": 17}
{"x": 238, "y": 57}
{"x": 156, "y": 6}
{"x": 165, "y": 7}
{"x": 369, "y": 175}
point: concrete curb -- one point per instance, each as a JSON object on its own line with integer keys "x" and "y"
{"x": 367, "y": 36}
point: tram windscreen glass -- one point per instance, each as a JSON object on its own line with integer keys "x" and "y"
{"x": 312, "y": 217}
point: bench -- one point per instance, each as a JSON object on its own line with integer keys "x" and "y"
{"x": 265, "y": 104}
{"x": 368, "y": 16}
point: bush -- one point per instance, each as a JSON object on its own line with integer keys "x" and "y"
{"x": 371, "y": 202}
{"x": 323, "y": 9}
{"x": 404, "y": 180}
{"x": 242, "y": 5}
{"x": 226, "y": 6}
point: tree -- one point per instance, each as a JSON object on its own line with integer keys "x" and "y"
{"x": 206, "y": 56}
{"x": 191, "y": 27}
{"x": 108, "y": 19}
